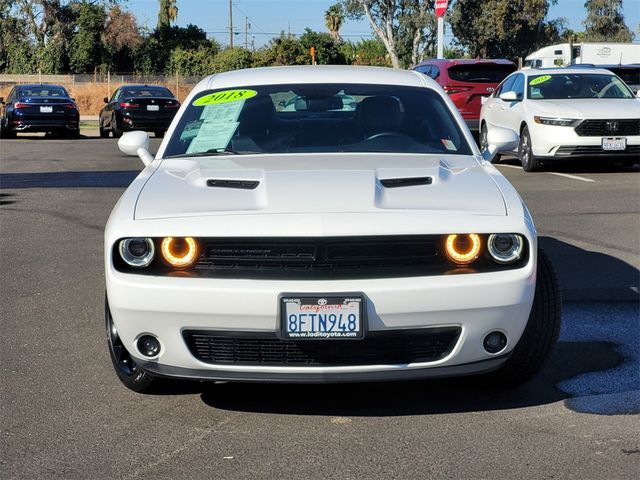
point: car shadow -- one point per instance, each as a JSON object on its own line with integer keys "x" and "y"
{"x": 594, "y": 368}
{"x": 595, "y": 166}
{"x": 82, "y": 179}
{"x": 7, "y": 199}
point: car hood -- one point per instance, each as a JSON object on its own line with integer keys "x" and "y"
{"x": 324, "y": 183}
{"x": 588, "y": 108}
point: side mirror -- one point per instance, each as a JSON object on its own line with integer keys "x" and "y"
{"x": 105, "y": 99}
{"x": 2, "y": 100}
{"x": 509, "y": 96}
{"x": 136, "y": 143}
{"x": 500, "y": 140}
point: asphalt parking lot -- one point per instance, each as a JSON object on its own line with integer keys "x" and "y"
{"x": 63, "y": 413}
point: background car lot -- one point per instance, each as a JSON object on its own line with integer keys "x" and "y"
{"x": 63, "y": 413}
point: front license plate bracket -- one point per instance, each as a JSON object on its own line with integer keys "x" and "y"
{"x": 322, "y": 316}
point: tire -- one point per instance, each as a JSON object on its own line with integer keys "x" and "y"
{"x": 541, "y": 332}
{"x": 530, "y": 163}
{"x": 131, "y": 375}
{"x": 116, "y": 131}
{"x": 103, "y": 133}
{"x": 8, "y": 134}
{"x": 484, "y": 144}
{"x": 158, "y": 133}
{"x": 73, "y": 133}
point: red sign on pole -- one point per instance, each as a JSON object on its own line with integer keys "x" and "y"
{"x": 441, "y": 7}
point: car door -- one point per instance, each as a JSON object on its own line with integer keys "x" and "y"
{"x": 492, "y": 107}
{"x": 107, "y": 111}
{"x": 3, "y": 109}
{"x": 511, "y": 111}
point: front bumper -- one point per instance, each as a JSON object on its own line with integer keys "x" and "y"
{"x": 476, "y": 303}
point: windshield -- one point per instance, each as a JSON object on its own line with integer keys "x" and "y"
{"x": 42, "y": 91}
{"x": 147, "y": 92}
{"x": 311, "y": 118}
{"x": 576, "y": 85}
{"x": 481, "y": 72}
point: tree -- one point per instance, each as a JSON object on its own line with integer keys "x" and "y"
{"x": 154, "y": 54}
{"x": 503, "y": 28}
{"x": 333, "y": 19}
{"x": 232, "y": 59}
{"x": 399, "y": 24}
{"x": 167, "y": 13}
{"x": 367, "y": 52}
{"x": 328, "y": 51}
{"x": 86, "y": 46}
{"x": 605, "y": 22}
{"x": 121, "y": 40}
{"x": 197, "y": 61}
{"x": 282, "y": 50}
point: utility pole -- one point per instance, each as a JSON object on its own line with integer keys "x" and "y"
{"x": 230, "y": 23}
{"x": 247, "y": 26}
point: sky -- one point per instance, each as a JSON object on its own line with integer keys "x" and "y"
{"x": 267, "y": 18}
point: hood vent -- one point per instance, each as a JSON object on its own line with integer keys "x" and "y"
{"x": 406, "y": 182}
{"x": 240, "y": 184}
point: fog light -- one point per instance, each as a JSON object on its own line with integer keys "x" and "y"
{"x": 495, "y": 342}
{"x": 463, "y": 249}
{"x": 137, "y": 252}
{"x": 148, "y": 345}
{"x": 505, "y": 247}
{"x": 179, "y": 252}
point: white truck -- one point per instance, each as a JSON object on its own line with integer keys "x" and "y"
{"x": 564, "y": 54}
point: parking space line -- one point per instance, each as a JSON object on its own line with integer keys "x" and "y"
{"x": 573, "y": 177}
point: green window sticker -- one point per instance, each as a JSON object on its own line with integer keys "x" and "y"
{"x": 540, "y": 79}
{"x": 224, "y": 97}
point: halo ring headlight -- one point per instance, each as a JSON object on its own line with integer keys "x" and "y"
{"x": 137, "y": 252}
{"x": 179, "y": 252}
{"x": 463, "y": 249}
{"x": 505, "y": 248}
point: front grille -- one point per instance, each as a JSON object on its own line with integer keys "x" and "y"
{"x": 610, "y": 127}
{"x": 595, "y": 150}
{"x": 387, "y": 348}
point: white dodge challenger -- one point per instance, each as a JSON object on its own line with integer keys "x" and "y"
{"x": 324, "y": 243}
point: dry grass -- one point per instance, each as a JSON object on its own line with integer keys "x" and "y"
{"x": 89, "y": 97}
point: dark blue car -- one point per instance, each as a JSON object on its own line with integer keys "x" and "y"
{"x": 39, "y": 108}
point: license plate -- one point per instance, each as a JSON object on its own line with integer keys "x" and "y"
{"x": 48, "y": 109}
{"x": 322, "y": 317}
{"x": 153, "y": 108}
{"x": 614, "y": 144}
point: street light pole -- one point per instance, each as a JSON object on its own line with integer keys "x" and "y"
{"x": 230, "y": 23}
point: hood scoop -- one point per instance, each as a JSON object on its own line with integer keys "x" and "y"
{"x": 239, "y": 184}
{"x": 406, "y": 182}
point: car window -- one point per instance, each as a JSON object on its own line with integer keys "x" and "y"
{"x": 434, "y": 72}
{"x": 518, "y": 86}
{"x": 115, "y": 95}
{"x": 629, "y": 75}
{"x": 480, "y": 72}
{"x": 576, "y": 85}
{"x": 42, "y": 91}
{"x": 324, "y": 118}
{"x": 505, "y": 86}
{"x": 143, "y": 92}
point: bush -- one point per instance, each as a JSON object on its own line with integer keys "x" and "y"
{"x": 232, "y": 59}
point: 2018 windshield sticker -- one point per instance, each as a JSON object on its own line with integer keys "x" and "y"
{"x": 224, "y": 97}
{"x": 539, "y": 80}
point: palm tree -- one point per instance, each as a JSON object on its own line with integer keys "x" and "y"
{"x": 168, "y": 13}
{"x": 333, "y": 18}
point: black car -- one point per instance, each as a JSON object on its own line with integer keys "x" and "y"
{"x": 39, "y": 108}
{"x": 138, "y": 107}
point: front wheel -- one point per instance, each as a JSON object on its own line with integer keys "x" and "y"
{"x": 115, "y": 129}
{"x": 484, "y": 143}
{"x": 541, "y": 332}
{"x": 129, "y": 373}
{"x": 530, "y": 163}
{"x": 103, "y": 133}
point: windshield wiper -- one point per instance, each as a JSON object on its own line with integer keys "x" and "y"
{"x": 213, "y": 152}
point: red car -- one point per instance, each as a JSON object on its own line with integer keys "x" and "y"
{"x": 466, "y": 81}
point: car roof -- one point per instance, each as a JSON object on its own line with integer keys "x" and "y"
{"x": 297, "y": 75}
{"x": 572, "y": 69}
{"x": 466, "y": 61}
{"x": 39, "y": 85}
{"x": 143, "y": 86}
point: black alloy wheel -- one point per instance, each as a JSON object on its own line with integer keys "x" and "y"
{"x": 115, "y": 129}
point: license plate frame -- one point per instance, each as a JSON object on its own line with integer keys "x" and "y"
{"x": 316, "y": 302}
{"x": 153, "y": 108}
{"x": 614, "y": 144}
{"x": 46, "y": 109}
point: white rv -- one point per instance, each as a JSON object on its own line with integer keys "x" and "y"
{"x": 564, "y": 54}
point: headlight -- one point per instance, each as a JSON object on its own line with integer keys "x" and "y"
{"x": 558, "y": 122}
{"x": 505, "y": 247}
{"x": 463, "y": 249}
{"x": 179, "y": 252}
{"x": 137, "y": 252}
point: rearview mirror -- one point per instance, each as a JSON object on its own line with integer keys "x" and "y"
{"x": 500, "y": 140}
{"x": 509, "y": 96}
{"x": 136, "y": 143}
